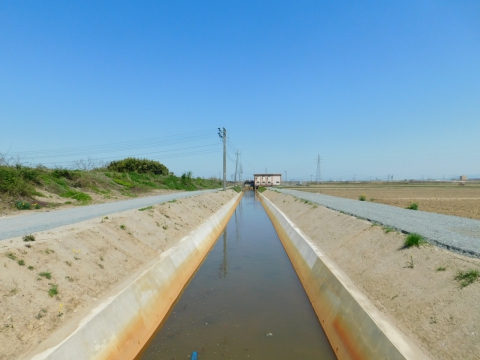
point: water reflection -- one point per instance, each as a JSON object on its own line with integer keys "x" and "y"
{"x": 245, "y": 301}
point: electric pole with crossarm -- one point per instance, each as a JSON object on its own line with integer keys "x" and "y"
{"x": 222, "y": 133}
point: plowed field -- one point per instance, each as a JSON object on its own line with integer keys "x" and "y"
{"x": 442, "y": 198}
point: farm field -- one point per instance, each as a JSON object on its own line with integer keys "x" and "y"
{"x": 443, "y": 198}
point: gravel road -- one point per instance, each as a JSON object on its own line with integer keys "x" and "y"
{"x": 455, "y": 233}
{"x": 31, "y": 223}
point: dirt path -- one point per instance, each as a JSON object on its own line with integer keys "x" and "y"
{"x": 48, "y": 283}
{"x": 407, "y": 285}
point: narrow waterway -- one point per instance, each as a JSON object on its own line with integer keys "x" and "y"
{"x": 245, "y": 301}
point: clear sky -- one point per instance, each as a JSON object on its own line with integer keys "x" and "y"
{"x": 374, "y": 87}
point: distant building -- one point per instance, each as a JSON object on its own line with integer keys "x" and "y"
{"x": 267, "y": 179}
{"x": 463, "y": 178}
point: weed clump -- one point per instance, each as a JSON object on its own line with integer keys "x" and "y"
{"x": 412, "y": 206}
{"x": 414, "y": 240}
{"x": 261, "y": 189}
{"x": 467, "y": 277}
{"x": 387, "y": 229}
{"x": 30, "y": 237}
{"x": 440, "y": 268}
{"x": 12, "y": 256}
{"x": 46, "y": 274}
{"x": 146, "y": 208}
{"x": 237, "y": 189}
{"x": 362, "y": 197}
{"x": 53, "y": 290}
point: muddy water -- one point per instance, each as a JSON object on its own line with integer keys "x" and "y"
{"x": 245, "y": 301}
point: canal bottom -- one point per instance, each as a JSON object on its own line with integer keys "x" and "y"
{"x": 244, "y": 302}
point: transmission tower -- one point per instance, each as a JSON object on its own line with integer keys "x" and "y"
{"x": 318, "y": 178}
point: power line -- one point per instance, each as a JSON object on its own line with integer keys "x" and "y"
{"x": 125, "y": 145}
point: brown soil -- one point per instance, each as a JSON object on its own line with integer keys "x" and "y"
{"x": 427, "y": 304}
{"x": 444, "y": 198}
{"x": 84, "y": 261}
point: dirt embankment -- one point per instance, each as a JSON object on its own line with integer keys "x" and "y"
{"x": 50, "y": 282}
{"x": 407, "y": 285}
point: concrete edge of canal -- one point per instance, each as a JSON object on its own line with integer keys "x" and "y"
{"x": 121, "y": 325}
{"x": 355, "y": 328}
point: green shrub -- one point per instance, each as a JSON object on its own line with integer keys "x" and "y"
{"x": 140, "y": 166}
{"x": 237, "y": 189}
{"x": 414, "y": 240}
{"x": 467, "y": 277}
{"x": 261, "y": 189}
{"x": 23, "y": 205}
{"x": 15, "y": 181}
{"x": 362, "y": 197}
{"x": 64, "y": 173}
{"x": 21, "y": 262}
{"x": 413, "y": 206}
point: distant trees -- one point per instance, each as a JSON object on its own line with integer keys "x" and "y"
{"x": 140, "y": 166}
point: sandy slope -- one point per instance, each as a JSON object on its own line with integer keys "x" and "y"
{"x": 426, "y": 304}
{"x": 85, "y": 261}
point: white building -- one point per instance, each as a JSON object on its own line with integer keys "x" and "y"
{"x": 267, "y": 179}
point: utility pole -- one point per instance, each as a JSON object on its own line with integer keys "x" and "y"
{"x": 222, "y": 133}
{"x": 236, "y": 169}
{"x": 319, "y": 174}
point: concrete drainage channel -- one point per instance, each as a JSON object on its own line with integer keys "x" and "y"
{"x": 120, "y": 326}
{"x": 355, "y": 328}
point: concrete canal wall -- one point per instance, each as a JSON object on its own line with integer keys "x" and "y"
{"x": 121, "y": 325}
{"x": 355, "y": 328}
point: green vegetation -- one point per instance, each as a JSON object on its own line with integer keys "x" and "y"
{"x": 237, "y": 189}
{"x": 30, "y": 237}
{"x": 31, "y": 267}
{"x": 413, "y": 206}
{"x": 53, "y": 290}
{"x": 146, "y": 208}
{"x": 140, "y": 166}
{"x": 467, "y": 277}
{"x": 414, "y": 240}
{"x": 441, "y": 268}
{"x": 21, "y": 262}
{"x": 77, "y": 195}
{"x": 387, "y": 229}
{"x": 261, "y": 189}
{"x": 362, "y": 197}
{"x": 46, "y": 274}
{"x": 123, "y": 227}
{"x": 20, "y": 184}
{"x": 12, "y": 256}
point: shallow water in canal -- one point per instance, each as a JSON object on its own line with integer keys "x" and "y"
{"x": 244, "y": 302}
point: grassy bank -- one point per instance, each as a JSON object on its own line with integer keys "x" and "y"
{"x": 24, "y": 187}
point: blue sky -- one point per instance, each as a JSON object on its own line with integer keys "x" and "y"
{"x": 374, "y": 87}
